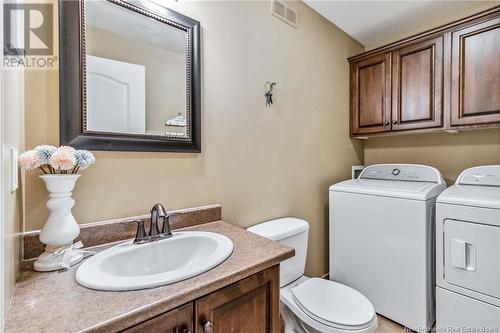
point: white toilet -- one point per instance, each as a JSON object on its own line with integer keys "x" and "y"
{"x": 319, "y": 305}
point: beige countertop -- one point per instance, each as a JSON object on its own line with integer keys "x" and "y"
{"x": 54, "y": 302}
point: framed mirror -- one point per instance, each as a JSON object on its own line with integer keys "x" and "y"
{"x": 129, "y": 77}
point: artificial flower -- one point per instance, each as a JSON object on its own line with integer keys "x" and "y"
{"x": 45, "y": 152}
{"x": 84, "y": 159}
{"x": 63, "y": 158}
{"x": 67, "y": 149}
{"x": 30, "y": 160}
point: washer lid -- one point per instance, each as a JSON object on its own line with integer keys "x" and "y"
{"x": 409, "y": 181}
{"x": 391, "y": 188}
{"x": 332, "y": 303}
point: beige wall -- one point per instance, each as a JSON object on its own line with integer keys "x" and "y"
{"x": 259, "y": 163}
{"x": 449, "y": 153}
{"x": 13, "y": 136}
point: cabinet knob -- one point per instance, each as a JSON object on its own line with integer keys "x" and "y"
{"x": 186, "y": 331}
{"x": 386, "y": 123}
{"x": 394, "y": 122}
{"x": 207, "y": 326}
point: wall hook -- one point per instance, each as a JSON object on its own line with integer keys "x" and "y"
{"x": 268, "y": 92}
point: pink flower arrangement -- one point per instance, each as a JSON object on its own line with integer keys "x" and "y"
{"x": 52, "y": 160}
{"x": 30, "y": 160}
{"x": 63, "y": 159}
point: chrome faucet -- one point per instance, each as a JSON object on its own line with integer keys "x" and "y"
{"x": 157, "y": 212}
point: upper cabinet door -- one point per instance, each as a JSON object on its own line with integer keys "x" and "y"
{"x": 417, "y": 79}
{"x": 475, "y": 74}
{"x": 371, "y": 95}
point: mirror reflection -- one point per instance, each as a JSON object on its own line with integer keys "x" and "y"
{"x": 135, "y": 73}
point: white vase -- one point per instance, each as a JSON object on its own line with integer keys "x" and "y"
{"x": 61, "y": 228}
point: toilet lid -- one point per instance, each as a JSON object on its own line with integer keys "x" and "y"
{"x": 333, "y": 303}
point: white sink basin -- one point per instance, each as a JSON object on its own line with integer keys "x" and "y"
{"x": 129, "y": 266}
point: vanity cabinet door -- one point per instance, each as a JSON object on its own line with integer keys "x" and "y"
{"x": 248, "y": 306}
{"x": 417, "y": 85}
{"x": 179, "y": 320}
{"x": 371, "y": 95}
{"x": 475, "y": 74}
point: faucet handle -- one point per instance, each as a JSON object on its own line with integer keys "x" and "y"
{"x": 140, "y": 235}
{"x": 166, "y": 231}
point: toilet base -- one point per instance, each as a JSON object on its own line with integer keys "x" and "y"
{"x": 292, "y": 323}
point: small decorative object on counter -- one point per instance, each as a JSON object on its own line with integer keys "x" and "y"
{"x": 59, "y": 167}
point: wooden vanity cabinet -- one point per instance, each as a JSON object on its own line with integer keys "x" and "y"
{"x": 250, "y": 305}
{"x": 447, "y": 78}
{"x": 179, "y": 320}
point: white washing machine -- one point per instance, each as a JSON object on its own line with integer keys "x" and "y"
{"x": 468, "y": 253}
{"x": 382, "y": 239}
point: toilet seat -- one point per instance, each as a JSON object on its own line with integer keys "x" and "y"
{"x": 333, "y": 304}
{"x": 319, "y": 304}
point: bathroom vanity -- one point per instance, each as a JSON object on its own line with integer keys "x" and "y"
{"x": 249, "y": 305}
{"x": 239, "y": 295}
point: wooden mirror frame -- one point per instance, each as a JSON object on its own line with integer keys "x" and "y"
{"x": 72, "y": 85}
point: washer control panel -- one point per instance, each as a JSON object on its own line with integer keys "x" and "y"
{"x": 402, "y": 172}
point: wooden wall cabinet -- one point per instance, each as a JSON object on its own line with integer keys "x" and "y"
{"x": 371, "y": 94}
{"x": 417, "y": 85}
{"x": 443, "y": 79}
{"x": 475, "y": 74}
{"x": 250, "y": 305}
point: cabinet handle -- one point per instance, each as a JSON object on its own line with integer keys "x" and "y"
{"x": 386, "y": 123}
{"x": 207, "y": 326}
{"x": 394, "y": 122}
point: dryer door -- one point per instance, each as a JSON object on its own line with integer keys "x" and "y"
{"x": 472, "y": 256}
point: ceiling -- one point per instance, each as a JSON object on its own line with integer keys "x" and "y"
{"x": 375, "y": 23}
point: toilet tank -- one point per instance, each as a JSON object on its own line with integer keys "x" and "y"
{"x": 292, "y": 232}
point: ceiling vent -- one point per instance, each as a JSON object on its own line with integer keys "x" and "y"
{"x": 284, "y": 13}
